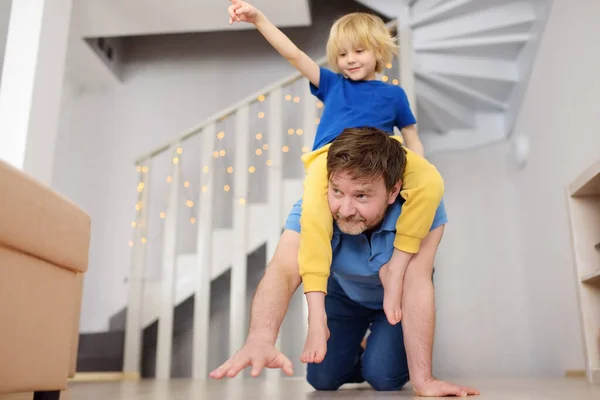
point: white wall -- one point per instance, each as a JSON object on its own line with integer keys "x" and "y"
{"x": 171, "y": 83}
{"x": 505, "y": 275}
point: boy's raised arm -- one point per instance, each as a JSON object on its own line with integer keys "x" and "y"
{"x": 240, "y": 11}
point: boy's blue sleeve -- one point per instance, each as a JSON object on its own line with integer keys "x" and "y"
{"x": 404, "y": 115}
{"x": 326, "y": 80}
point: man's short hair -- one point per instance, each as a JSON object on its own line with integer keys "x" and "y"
{"x": 367, "y": 153}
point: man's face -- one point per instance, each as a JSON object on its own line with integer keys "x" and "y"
{"x": 358, "y": 204}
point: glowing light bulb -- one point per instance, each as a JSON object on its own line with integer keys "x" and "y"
{"x": 189, "y": 203}
{"x": 179, "y": 150}
{"x": 144, "y": 240}
{"x": 130, "y": 243}
{"x": 229, "y": 170}
{"x": 205, "y": 169}
{"x": 299, "y": 132}
{"x": 285, "y": 149}
{"x": 290, "y": 131}
{"x": 288, "y": 97}
{"x": 192, "y": 220}
{"x": 320, "y": 104}
{"x": 296, "y": 99}
{"x": 220, "y": 135}
{"x": 258, "y": 152}
{"x": 269, "y": 163}
{"x": 163, "y": 215}
{"x": 261, "y": 98}
{"x": 226, "y": 188}
{"x": 133, "y": 224}
{"x": 259, "y": 136}
{"x": 265, "y": 147}
{"x": 261, "y": 115}
{"x": 385, "y": 78}
{"x": 222, "y": 153}
{"x": 252, "y": 169}
{"x": 186, "y": 184}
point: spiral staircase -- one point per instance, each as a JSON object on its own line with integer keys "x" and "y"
{"x": 207, "y": 202}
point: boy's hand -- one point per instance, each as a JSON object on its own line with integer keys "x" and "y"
{"x": 240, "y": 11}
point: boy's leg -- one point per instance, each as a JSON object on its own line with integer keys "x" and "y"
{"x": 348, "y": 322}
{"x": 392, "y": 277}
{"x": 422, "y": 188}
{"x": 315, "y": 346}
{"x": 384, "y": 363}
{"x": 314, "y": 254}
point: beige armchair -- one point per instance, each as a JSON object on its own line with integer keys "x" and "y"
{"x": 44, "y": 245}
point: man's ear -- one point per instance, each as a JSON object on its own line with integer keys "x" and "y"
{"x": 394, "y": 192}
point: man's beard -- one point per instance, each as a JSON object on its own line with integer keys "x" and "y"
{"x": 356, "y": 225}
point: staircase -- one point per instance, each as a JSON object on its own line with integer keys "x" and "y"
{"x": 471, "y": 62}
{"x": 223, "y": 189}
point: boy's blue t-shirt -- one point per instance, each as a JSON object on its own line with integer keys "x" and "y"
{"x": 353, "y": 104}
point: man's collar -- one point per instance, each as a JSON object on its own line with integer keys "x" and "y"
{"x": 391, "y": 217}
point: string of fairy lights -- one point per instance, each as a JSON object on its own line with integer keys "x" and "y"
{"x": 259, "y": 151}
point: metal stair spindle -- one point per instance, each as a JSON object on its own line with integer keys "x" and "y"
{"x": 237, "y": 313}
{"x": 204, "y": 256}
{"x": 133, "y": 324}
{"x": 165, "y": 321}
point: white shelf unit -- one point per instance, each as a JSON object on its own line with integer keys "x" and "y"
{"x": 584, "y": 210}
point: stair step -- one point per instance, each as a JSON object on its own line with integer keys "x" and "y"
{"x": 422, "y": 6}
{"x": 449, "y": 84}
{"x": 476, "y": 23}
{"x": 484, "y": 68}
{"x": 481, "y": 41}
{"x": 461, "y": 116}
{"x": 101, "y": 352}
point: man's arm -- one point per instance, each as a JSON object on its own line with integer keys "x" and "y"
{"x": 418, "y": 322}
{"x": 275, "y": 291}
{"x": 270, "y": 304}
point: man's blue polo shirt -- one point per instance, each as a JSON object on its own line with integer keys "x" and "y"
{"x": 357, "y": 260}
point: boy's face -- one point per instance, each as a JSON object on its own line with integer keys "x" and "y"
{"x": 357, "y": 63}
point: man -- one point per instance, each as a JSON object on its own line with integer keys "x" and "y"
{"x": 364, "y": 168}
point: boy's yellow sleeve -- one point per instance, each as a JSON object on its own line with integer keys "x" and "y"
{"x": 316, "y": 224}
{"x": 422, "y": 190}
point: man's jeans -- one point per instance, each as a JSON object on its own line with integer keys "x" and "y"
{"x": 383, "y": 365}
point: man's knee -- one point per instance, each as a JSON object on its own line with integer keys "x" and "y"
{"x": 382, "y": 380}
{"x": 321, "y": 381}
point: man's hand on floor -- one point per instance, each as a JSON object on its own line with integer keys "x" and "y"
{"x": 434, "y": 388}
{"x": 256, "y": 353}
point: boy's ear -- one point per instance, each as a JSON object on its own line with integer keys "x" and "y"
{"x": 394, "y": 192}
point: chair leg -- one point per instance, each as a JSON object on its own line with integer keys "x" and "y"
{"x": 54, "y": 395}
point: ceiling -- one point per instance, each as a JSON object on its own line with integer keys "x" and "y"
{"x": 104, "y": 18}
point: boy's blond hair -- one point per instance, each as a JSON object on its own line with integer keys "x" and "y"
{"x": 361, "y": 30}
